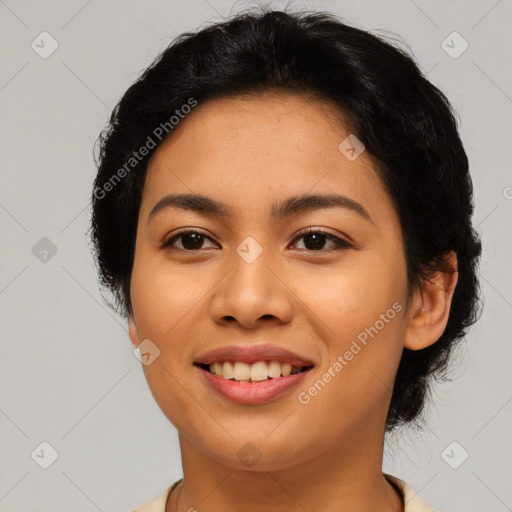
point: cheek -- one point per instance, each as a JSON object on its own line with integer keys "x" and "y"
{"x": 352, "y": 295}
{"x": 359, "y": 317}
{"x": 163, "y": 301}
{"x": 163, "y": 294}
{"x": 353, "y": 386}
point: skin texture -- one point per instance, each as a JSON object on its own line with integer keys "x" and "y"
{"x": 249, "y": 152}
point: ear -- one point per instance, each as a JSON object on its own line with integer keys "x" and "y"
{"x": 430, "y": 306}
{"x": 132, "y": 330}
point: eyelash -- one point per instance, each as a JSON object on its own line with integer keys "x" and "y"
{"x": 341, "y": 244}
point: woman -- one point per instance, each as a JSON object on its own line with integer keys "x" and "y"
{"x": 282, "y": 212}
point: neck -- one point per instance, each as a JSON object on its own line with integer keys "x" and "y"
{"x": 343, "y": 478}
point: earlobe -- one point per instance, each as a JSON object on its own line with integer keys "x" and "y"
{"x": 132, "y": 331}
{"x": 430, "y": 307}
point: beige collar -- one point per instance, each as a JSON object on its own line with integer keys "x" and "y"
{"x": 412, "y": 500}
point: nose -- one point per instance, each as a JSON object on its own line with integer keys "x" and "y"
{"x": 252, "y": 294}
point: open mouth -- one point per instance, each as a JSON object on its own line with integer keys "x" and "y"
{"x": 257, "y": 372}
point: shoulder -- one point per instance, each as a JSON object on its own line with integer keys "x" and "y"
{"x": 157, "y": 504}
{"x": 412, "y": 500}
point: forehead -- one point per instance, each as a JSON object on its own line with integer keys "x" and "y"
{"x": 281, "y": 123}
{"x": 249, "y": 150}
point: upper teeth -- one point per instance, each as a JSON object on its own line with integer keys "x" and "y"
{"x": 256, "y": 372}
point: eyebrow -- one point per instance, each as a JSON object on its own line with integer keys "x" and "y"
{"x": 280, "y": 210}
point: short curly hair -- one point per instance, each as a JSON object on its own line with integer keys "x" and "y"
{"x": 404, "y": 121}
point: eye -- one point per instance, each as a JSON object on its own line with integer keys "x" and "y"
{"x": 314, "y": 240}
{"x": 191, "y": 240}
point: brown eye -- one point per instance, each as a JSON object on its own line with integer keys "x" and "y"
{"x": 314, "y": 240}
{"x": 190, "y": 240}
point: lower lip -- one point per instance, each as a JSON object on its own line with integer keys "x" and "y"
{"x": 253, "y": 393}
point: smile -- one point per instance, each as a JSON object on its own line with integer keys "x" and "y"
{"x": 249, "y": 390}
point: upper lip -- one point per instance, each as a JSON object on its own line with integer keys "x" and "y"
{"x": 253, "y": 353}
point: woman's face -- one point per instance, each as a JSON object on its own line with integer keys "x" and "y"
{"x": 253, "y": 277}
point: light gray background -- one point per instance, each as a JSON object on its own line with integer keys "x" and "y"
{"x": 68, "y": 373}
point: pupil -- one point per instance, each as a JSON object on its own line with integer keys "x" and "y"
{"x": 192, "y": 241}
{"x": 318, "y": 241}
